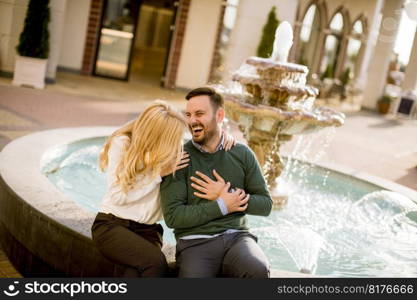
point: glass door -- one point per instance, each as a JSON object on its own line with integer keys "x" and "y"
{"x": 118, "y": 26}
{"x": 153, "y": 41}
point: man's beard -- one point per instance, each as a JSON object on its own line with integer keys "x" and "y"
{"x": 206, "y": 134}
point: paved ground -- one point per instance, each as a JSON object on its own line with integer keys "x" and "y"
{"x": 382, "y": 146}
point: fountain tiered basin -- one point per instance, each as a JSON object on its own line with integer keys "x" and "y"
{"x": 337, "y": 222}
{"x": 271, "y": 102}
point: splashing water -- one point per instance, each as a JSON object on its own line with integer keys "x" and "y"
{"x": 305, "y": 151}
{"x": 303, "y": 245}
{"x": 333, "y": 224}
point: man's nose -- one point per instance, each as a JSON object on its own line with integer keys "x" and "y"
{"x": 193, "y": 120}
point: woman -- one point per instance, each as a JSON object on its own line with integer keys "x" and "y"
{"x": 135, "y": 158}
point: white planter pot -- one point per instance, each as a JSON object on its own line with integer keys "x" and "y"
{"x": 30, "y": 71}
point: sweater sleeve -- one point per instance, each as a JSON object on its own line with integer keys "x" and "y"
{"x": 260, "y": 201}
{"x": 143, "y": 186}
{"x": 174, "y": 201}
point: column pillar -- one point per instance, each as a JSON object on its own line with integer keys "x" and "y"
{"x": 378, "y": 68}
{"x": 410, "y": 80}
{"x": 373, "y": 21}
{"x": 56, "y": 31}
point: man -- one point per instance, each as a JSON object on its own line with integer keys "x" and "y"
{"x": 206, "y": 202}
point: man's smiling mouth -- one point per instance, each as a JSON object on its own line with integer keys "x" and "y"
{"x": 197, "y": 129}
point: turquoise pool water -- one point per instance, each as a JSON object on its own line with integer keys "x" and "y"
{"x": 334, "y": 224}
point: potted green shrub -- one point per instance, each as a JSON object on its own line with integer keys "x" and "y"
{"x": 384, "y": 104}
{"x": 266, "y": 44}
{"x": 33, "y": 47}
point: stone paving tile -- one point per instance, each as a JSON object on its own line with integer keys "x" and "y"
{"x": 10, "y": 119}
{"x": 11, "y": 135}
{"x": 4, "y": 141}
{"x": 56, "y": 110}
{"x": 107, "y": 89}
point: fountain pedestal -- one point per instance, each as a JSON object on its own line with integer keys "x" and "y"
{"x": 273, "y": 103}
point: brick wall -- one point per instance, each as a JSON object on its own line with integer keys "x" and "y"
{"x": 91, "y": 41}
{"x": 176, "y": 44}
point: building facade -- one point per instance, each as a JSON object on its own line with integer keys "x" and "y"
{"x": 187, "y": 43}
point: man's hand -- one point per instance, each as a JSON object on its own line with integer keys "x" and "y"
{"x": 207, "y": 188}
{"x": 236, "y": 200}
{"x": 185, "y": 159}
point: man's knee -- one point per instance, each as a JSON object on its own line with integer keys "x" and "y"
{"x": 258, "y": 269}
{"x": 247, "y": 261}
{"x": 248, "y": 268}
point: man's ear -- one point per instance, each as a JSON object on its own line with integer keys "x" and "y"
{"x": 220, "y": 115}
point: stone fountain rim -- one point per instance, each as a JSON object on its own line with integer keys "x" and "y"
{"x": 20, "y": 171}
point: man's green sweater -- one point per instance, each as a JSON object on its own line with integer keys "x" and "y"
{"x": 190, "y": 215}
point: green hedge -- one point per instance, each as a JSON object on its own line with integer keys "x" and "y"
{"x": 34, "y": 39}
{"x": 268, "y": 35}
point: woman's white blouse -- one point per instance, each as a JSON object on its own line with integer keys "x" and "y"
{"x": 142, "y": 202}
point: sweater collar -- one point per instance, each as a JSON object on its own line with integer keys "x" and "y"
{"x": 219, "y": 147}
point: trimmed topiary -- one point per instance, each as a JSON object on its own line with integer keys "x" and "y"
{"x": 268, "y": 35}
{"x": 34, "y": 39}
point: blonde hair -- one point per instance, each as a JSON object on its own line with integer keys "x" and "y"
{"x": 155, "y": 143}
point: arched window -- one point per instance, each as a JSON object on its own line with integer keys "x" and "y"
{"x": 309, "y": 34}
{"x": 354, "y": 49}
{"x": 332, "y": 47}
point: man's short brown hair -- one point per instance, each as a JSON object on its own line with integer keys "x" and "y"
{"x": 216, "y": 99}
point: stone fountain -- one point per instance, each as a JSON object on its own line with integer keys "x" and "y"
{"x": 272, "y": 102}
